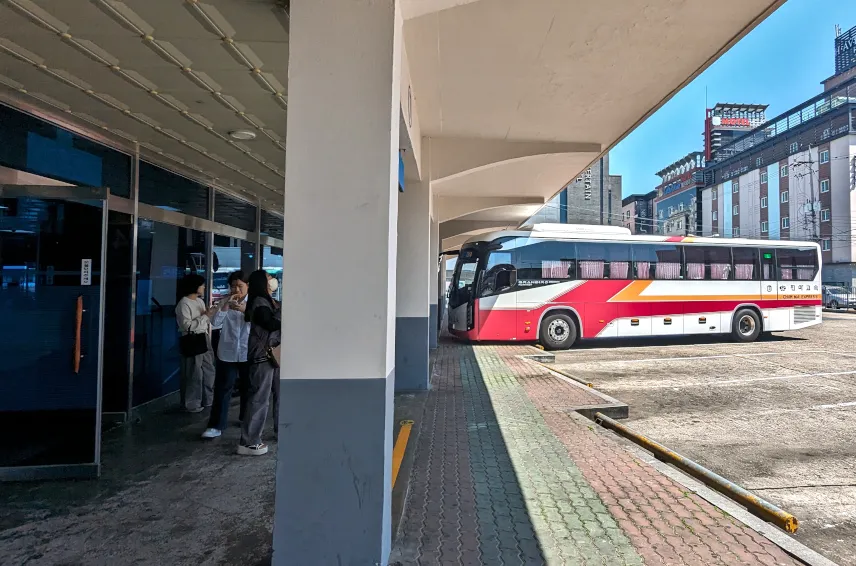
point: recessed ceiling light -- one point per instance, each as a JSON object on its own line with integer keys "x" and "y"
{"x": 242, "y": 135}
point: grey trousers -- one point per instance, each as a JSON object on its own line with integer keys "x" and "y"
{"x": 197, "y": 380}
{"x": 263, "y": 381}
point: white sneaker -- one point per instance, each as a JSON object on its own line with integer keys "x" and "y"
{"x": 211, "y": 433}
{"x": 255, "y": 450}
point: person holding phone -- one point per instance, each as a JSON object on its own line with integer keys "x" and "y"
{"x": 264, "y": 317}
{"x": 232, "y": 364}
{"x": 197, "y": 361}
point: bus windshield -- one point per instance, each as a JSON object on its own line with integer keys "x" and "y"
{"x": 464, "y": 277}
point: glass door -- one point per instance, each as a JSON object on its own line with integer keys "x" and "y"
{"x": 51, "y": 297}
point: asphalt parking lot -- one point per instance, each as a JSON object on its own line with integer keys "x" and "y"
{"x": 777, "y": 416}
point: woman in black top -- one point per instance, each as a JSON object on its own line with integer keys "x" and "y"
{"x": 264, "y": 317}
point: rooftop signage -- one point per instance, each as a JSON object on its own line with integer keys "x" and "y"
{"x": 845, "y": 51}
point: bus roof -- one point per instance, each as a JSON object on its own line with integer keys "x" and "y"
{"x": 591, "y": 233}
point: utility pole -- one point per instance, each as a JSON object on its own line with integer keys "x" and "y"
{"x": 811, "y": 200}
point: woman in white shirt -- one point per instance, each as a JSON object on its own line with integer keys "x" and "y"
{"x": 197, "y": 359}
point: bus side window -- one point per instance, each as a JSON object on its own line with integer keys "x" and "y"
{"x": 768, "y": 265}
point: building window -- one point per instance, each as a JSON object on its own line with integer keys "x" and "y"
{"x": 713, "y": 215}
{"x": 824, "y": 156}
{"x": 735, "y": 186}
{"x": 824, "y": 215}
{"x": 784, "y": 171}
{"x": 735, "y": 232}
{"x": 765, "y": 227}
{"x": 826, "y": 244}
{"x": 786, "y": 222}
{"x": 763, "y": 202}
{"x": 734, "y": 210}
{"x": 824, "y": 186}
{"x": 759, "y": 161}
{"x": 795, "y": 147}
{"x": 713, "y": 193}
{"x": 785, "y": 196}
{"x": 763, "y": 177}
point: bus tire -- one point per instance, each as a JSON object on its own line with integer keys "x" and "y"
{"x": 558, "y": 332}
{"x": 747, "y": 326}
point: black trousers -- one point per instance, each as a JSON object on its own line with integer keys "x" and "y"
{"x": 228, "y": 374}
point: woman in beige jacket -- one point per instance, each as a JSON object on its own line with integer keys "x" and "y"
{"x": 197, "y": 372}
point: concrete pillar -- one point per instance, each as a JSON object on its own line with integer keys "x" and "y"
{"x": 333, "y": 473}
{"x": 434, "y": 266}
{"x": 412, "y": 322}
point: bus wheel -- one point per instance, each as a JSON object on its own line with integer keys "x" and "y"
{"x": 558, "y": 332}
{"x": 747, "y": 326}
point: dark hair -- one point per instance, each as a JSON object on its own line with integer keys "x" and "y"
{"x": 258, "y": 287}
{"x": 236, "y": 276}
{"x": 189, "y": 284}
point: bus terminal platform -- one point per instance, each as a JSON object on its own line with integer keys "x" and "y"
{"x": 499, "y": 472}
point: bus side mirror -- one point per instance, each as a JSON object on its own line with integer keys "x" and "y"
{"x": 505, "y": 279}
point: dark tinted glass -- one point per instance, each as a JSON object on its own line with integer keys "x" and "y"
{"x": 708, "y": 262}
{"x": 166, "y": 190}
{"x": 234, "y": 212}
{"x": 797, "y": 264}
{"x": 272, "y": 225}
{"x": 657, "y": 261}
{"x": 539, "y": 262}
{"x": 35, "y": 146}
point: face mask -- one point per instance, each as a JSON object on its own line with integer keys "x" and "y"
{"x": 273, "y": 285}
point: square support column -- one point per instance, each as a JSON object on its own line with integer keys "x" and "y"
{"x": 413, "y": 321}
{"x": 434, "y": 276}
{"x": 334, "y": 473}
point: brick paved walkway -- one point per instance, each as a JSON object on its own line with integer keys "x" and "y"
{"x": 503, "y": 475}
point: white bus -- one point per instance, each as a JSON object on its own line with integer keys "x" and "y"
{"x": 556, "y": 283}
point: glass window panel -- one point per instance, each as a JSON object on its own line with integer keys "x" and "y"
{"x": 272, "y": 225}
{"x": 708, "y": 262}
{"x": 234, "y": 212}
{"x": 165, "y": 254}
{"x": 35, "y": 146}
{"x": 536, "y": 258}
{"x": 166, "y": 190}
{"x": 272, "y": 263}
{"x": 797, "y": 264}
{"x": 230, "y": 255}
{"x": 657, "y": 261}
{"x": 117, "y": 319}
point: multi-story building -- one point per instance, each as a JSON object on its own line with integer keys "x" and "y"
{"x": 637, "y": 213}
{"x": 676, "y": 203}
{"x": 794, "y": 177}
{"x": 727, "y": 122}
{"x": 594, "y": 197}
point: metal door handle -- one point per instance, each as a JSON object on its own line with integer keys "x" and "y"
{"x": 78, "y": 323}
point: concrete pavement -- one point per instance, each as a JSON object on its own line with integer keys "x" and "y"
{"x": 503, "y": 475}
{"x": 777, "y": 416}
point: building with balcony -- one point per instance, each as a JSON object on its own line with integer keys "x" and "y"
{"x": 676, "y": 203}
{"x": 637, "y": 213}
{"x": 793, "y": 177}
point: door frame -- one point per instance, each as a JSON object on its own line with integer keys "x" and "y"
{"x": 84, "y": 195}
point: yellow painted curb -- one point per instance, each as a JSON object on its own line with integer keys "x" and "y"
{"x": 399, "y": 448}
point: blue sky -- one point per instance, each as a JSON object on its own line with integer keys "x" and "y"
{"x": 795, "y": 42}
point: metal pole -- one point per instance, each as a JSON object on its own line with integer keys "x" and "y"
{"x": 754, "y": 504}
{"x": 260, "y": 264}
{"x": 135, "y": 232}
{"x": 209, "y": 248}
